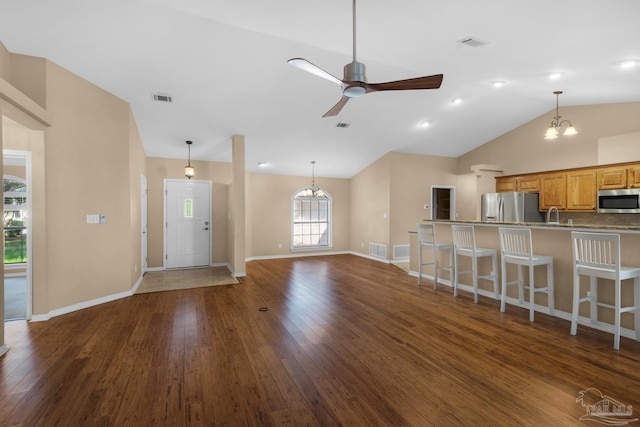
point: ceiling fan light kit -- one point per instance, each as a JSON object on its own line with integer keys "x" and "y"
{"x": 354, "y": 83}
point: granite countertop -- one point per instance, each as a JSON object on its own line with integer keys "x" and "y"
{"x": 563, "y": 226}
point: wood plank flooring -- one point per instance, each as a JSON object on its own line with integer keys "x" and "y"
{"x": 346, "y": 341}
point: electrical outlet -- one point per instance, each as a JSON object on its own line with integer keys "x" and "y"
{"x": 279, "y": 245}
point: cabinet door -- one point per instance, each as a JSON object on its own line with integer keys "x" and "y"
{"x": 505, "y": 184}
{"x": 581, "y": 190}
{"x": 553, "y": 191}
{"x": 529, "y": 183}
{"x": 612, "y": 178}
{"x": 634, "y": 177}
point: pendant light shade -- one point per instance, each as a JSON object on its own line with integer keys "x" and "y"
{"x": 189, "y": 171}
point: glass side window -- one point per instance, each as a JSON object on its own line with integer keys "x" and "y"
{"x": 15, "y": 220}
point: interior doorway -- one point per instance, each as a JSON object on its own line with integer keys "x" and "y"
{"x": 187, "y": 223}
{"x": 443, "y": 202}
{"x": 17, "y": 234}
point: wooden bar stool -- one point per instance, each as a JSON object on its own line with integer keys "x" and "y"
{"x": 516, "y": 248}
{"x": 464, "y": 244}
{"x": 427, "y": 239}
{"x": 597, "y": 255}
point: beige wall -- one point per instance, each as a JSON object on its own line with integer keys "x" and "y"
{"x": 269, "y": 211}
{"x": 388, "y": 197}
{"x": 524, "y": 149}
{"x": 87, "y": 157}
{"x": 370, "y": 202}
{"x": 159, "y": 169}
{"x": 93, "y": 156}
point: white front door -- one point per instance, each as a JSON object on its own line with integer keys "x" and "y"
{"x": 187, "y": 223}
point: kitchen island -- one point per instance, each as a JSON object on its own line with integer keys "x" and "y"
{"x": 548, "y": 239}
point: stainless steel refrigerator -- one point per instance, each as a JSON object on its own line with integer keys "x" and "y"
{"x": 513, "y": 206}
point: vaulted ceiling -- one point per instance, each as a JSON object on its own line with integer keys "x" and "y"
{"x": 224, "y": 64}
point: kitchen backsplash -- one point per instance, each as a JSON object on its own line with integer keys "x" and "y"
{"x": 597, "y": 219}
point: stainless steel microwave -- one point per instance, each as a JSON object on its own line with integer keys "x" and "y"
{"x": 619, "y": 201}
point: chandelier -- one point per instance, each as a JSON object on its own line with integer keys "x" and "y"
{"x": 313, "y": 191}
{"x": 189, "y": 171}
{"x": 556, "y": 124}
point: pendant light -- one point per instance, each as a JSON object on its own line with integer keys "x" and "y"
{"x": 313, "y": 191}
{"x": 189, "y": 171}
{"x": 556, "y": 125}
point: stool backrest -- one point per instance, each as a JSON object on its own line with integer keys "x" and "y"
{"x": 596, "y": 250}
{"x": 463, "y": 237}
{"x": 426, "y": 234}
{"x": 515, "y": 242}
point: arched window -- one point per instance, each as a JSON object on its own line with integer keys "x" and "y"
{"x": 15, "y": 219}
{"x": 311, "y": 219}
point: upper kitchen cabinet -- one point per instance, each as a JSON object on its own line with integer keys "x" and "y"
{"x": 518, "y": 183}
{"x": 553, "y": 191}
{"x": 633, "y": 180}
{"x": 581, "y": 190}
{"x": 506, "y": 184}
{"x": 612, "y": 178}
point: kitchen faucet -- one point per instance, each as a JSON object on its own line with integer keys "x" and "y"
{"x": 551, "y": 209}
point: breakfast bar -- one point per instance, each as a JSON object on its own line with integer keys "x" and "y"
{"x": 548, "y": 239}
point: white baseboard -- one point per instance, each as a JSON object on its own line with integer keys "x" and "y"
{"x": 294, "y": 255}
{"x": 79, "y": 306}
{"x": 3, "y": 349}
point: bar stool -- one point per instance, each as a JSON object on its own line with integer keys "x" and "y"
{"x": 427, "y": 239}
{"x": 597, "y": 255}
{"x": 464, "y": 244}
{"x": 516, "y": 248}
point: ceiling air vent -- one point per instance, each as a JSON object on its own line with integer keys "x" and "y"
{"x": 161, "y": 97}
{"x": 343, "y": 125}
{"x": 471, "y": 42}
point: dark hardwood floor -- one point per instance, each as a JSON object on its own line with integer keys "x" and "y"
{"x": 346, "y": 341}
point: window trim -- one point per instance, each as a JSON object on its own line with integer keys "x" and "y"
{"x": 329, "y": 221}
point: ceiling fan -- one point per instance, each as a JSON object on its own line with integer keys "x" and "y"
{"x": 355, "y": 82}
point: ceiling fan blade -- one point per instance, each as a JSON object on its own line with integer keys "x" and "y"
{"x": 307, "y": 66}
{"x": 336, "y": 108}
{"x": 427, "y": 82}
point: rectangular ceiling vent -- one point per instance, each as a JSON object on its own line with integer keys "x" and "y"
{"x": 161, "y": 97}
{"x": 471, "y": 42}
{"x": 343, "y": 125}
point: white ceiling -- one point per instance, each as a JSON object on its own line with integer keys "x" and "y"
{"x": 224, "y": 62}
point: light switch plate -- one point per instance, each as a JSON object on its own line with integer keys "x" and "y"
{"x": 93, "y": 219}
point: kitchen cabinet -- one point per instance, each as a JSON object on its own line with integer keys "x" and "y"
{"x": 633, "y": 180}
{"x": 612, "y": 178}
{"x": 581, "y": 190}
{"x": 553, "y": 191}
{"x": 520, "y": 183}
{"x": 506, "y": 184}
{"x": 528, "y": 183}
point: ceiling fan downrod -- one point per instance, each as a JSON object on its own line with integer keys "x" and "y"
{"x": 355, "y": 71}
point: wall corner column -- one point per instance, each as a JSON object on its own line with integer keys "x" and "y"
{"x": 238, "y": 208}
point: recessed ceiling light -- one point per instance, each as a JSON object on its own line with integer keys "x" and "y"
{"x": 424, "y": 124}
{"x": 457, "y": 101}
{"x": 627, "y": 63}
{"x": 555, "y": 76}
{"x": 498, "y": 83}
{"x": 263, "y": 164}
